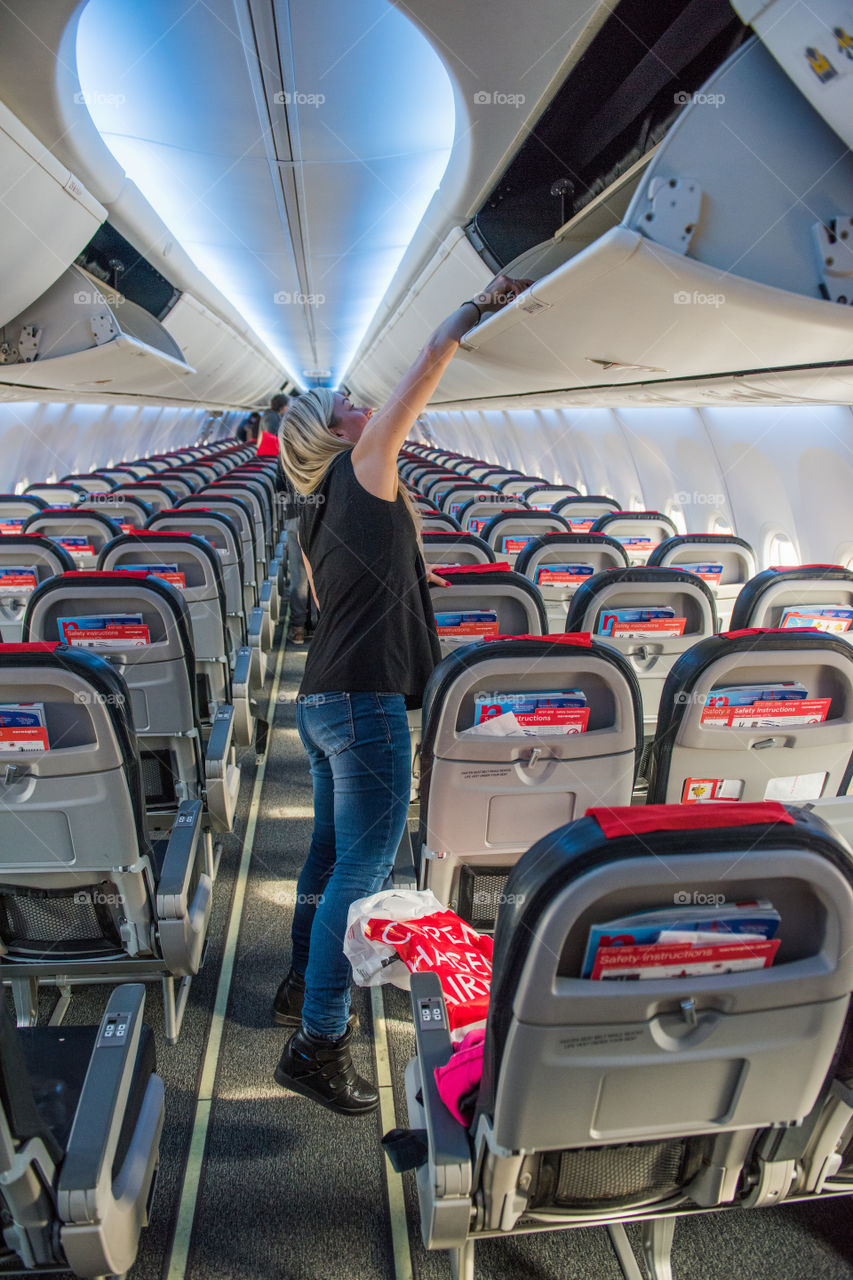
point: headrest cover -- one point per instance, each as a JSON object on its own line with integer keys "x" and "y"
{"x": 122, "y": 574}
{"x": 632, "y": 820}
{"x": 34, "y": 646}
{"x": 770, "y": 631}
{"x": 499, "y": 566}
{"x": 555, "y": 637}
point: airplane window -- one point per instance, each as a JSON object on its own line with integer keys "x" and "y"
{"x": 677, "y": 515}
{"x": 721, "y": 525}
{"x": 781, "y": 550}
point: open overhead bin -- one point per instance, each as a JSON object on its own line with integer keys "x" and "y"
{"x": 83, "y": 336}
{"x": 713, "y": 264}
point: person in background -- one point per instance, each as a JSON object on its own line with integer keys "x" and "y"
{"x": 372, "y": 653}
{"x": 270, "y": 423}
{"x": 247, "y": 432}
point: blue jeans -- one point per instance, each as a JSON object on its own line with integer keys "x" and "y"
{"x": 298, "y": 597}
{"x": 359, "y": 750}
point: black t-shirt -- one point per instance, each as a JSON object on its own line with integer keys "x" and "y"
{"x": 376, "y": 631}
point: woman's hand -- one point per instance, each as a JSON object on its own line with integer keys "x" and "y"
{"x": 499, "y": 292}
{"x": 433, "y": 580}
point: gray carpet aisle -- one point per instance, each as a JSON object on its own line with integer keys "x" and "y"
{"x": 289, "y": 1189}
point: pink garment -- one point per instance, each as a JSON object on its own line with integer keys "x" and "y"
{"x": 458, "y": 1081}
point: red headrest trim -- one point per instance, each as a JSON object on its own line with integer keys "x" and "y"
{"x": 769, "y": 631}
{"x": 34, "y": 646}
{"x": 104, "y": 573}
{"x": 631, "y": 820}
{"x": 500, "y": 566}
{"x": 793, "y": 568}
{"x": 156, "y": 533}
{"x": 582, "y": 638}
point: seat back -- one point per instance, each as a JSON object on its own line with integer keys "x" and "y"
{"x": 26, "y": 559}
{"x": 558, "y": 563}
{"x": 673, "y": 1064}
{"x": 792, "y": 598}
{"x": 130, "y": 511}
{"x": 476, "y": 513}
{"x": 156, "y": 495}
{"x": 91, "y": 483}
{"x": 454, "y": 498}
{"x": 515, "y": 486}
{"x": 485, "y": 797}
{"x": 711, "y": 744}
{"x": 223, "y": 535}
{"x": 239, "y": 513}
{"x": 191, "y": 565}
{"x": 725, "y": 562}
{"x": 501, "y": 603}
{"x": 180, "y": 484}
{"x": 541, "y": 497}
{"x": 455, "y": 548}
{"x": 82, "y": 534}
{"x": 435, "y": 483}
{"x": 440, "y": 523}
{"x": 74, "y": 811}
{"x": 607, "y": 606}
{"x": 118, "y": 475}
{"x": 155, "y": 659}
{"x": 249, "y": 493}
{"x": 638, "y": 531}
{"x": 15, "y": 509}
{"x": 582, "y": 513}
{"x": 58, "y": 495}
{"x": 510, "y": 531}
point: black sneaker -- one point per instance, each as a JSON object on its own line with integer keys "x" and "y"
{"x": 323, "y": 1071}
{"x": 287, "y": 1003}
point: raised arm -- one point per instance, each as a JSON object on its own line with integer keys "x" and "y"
{"x": 374, "y": 457}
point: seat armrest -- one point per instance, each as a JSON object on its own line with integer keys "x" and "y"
{"x": 180, "y": 859}
{"x": 221, "y": 771}
{"x": 98, "y": 1119}
{"x": 220, "y": 740}
{"x": 449, "y": 1143}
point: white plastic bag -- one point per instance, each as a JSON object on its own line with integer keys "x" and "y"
{"x": 374, "y": 963}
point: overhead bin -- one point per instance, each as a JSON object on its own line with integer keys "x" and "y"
{"x": 47, "y": 216}
{"x": 81, "y": 335}
{"x": 713, "y": 270}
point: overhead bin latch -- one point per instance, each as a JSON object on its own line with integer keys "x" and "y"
{"x": 672, "y": 212}
{"x": 834, "y": 241}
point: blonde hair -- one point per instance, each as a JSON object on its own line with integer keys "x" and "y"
{"x": 308, "y": 447}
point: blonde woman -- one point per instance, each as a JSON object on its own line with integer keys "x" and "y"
{"x": 372, "y": 653}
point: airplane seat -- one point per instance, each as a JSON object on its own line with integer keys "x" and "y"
{"x": 440, "y": 523}
{"x": 611, "y": 1103}
{"x": 83, "y": 894}
{"x": 91, "y": 482}
{"x": 541, "y": 497}
{"x": 191, "y": 564}
{"x": 181, "y": 484}
{"x": 508, "y": 532}
{"x": 224, "y": 536}
{"x": 475, "y": 513}
{"x": 454, "y": 497}
{"x": 26, "y": 559}
{"x": 154, "y": 656}
{"x": 651, "y": 616}
{"x": 638, "y": 531}
{"x": 558, "y": 563}
{"x": 797, "y": 597}
{"x": 516, "y": 485}
{"x": 714, "y": 742}
{"x": 434, "y": 484}
{"x": 582, "y": 512}
{"x": 267, "y": 566}
{"x": 483, "y": 599}
{"x": 81, "y": 1114}
{"x": 722, "y": 560}
{"x": 455, "y": 548}
{"x": 155, "y": 494}
{"x": 486, "y": 798}
{"x": 130, "y": 511}
{"x": 423, "y": 506}
{"x": 119, "y": 475}
{"x": 15, "y": 508}
{"x": 83, "y": 534}
{"x": 57, "y": 495}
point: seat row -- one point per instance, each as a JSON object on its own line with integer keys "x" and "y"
{"x": 115, "y": 773}
{"x": 142, "y": 676}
